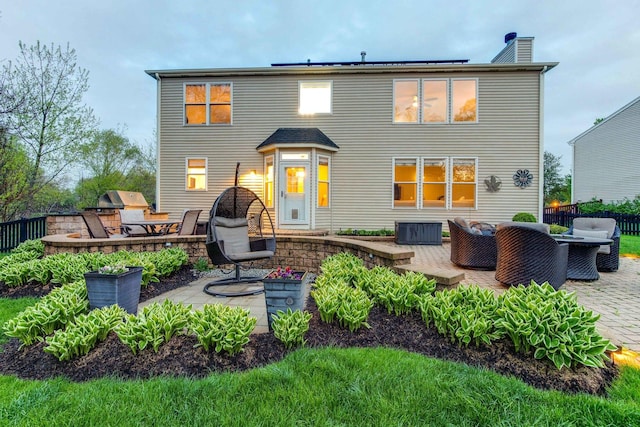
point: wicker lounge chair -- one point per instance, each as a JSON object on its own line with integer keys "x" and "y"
{"x": 608, "y": 258}
{"x": 97, "y": 229}
{"x": 470, "y": 250}
{"x": 526, "y": 254}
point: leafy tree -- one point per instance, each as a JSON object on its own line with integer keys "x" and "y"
{"x": 52, "y": 122}
{"x": 115, "y": 163}
{"x": 555, "y": 185}
{"x": 13, "y": 178}
{"x": 598, "y": 120}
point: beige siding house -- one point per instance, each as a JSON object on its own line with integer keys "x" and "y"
{"x": 606, "y": 157}
{"x": 357, "y": 145}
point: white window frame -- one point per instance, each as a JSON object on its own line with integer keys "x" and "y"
{"x": 451, "y": 95}
{"x": 207, "y": 103}
{"x": 307, "y": 110}
{"x": 269, "y": 203}
{"x": 445, "y": 182}
{"x": 393, "y": 103}
{"x": 416, "y": 182}
{"x": 449, "y": 120}
{"x": 475, "y": 182}
{"x": 187, "y": 174}
{"x": 449, "y": 162}
{"x": 328, "y": 181}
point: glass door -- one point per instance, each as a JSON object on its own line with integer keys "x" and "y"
{"x": 294, "y": 194}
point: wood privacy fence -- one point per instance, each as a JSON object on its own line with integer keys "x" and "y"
{"x": 564, "y": 215}
{"x": 13, "y": 233}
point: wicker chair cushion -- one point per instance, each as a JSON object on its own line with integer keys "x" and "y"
{"x": 235, "y": 239}
{"x": 466, "y": 225}
{"x": 601, "y": 234}
{"x": 608, "y": 224}
{"x": 533, "y": 225}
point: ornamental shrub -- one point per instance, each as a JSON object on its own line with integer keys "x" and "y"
{"x": 524, "y": 217}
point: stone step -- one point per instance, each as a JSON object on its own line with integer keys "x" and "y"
{"x": 441, "y": 275}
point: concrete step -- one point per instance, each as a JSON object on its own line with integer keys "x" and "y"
{"x": 442, "y": 276}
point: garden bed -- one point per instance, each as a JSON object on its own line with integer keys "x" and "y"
{"x": 178, "y": 357}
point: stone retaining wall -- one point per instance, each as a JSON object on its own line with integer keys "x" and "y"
{"x": 298, "y": 252}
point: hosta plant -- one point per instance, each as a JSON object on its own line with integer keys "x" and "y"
{"x": 81, "y": 335}
{"x": 154, "y": 325}
{"x": 52, "y": 312}
{"x": 553, "y": 325}
{"x": 222, "y": 328}
{"x": 465, "y": 315}
{"x": 291, "y": 326}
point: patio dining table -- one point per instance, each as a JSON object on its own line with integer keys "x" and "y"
{"x": 583, "y": 251}
{"x": 154, "y": 228}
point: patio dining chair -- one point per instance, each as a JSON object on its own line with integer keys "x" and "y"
{"x": 97, "y": 230}
{"x": 128, "y": 216}
{"x": 189, "y": 222}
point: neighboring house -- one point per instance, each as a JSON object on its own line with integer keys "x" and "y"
{"x": 606, "y": 156}
{"x": 357, "y": 145}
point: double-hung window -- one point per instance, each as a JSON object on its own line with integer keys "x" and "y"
{"x": 435, "y": 101}
{"x": 405, "y": 182}
{"x": 315, "y": 97}
{"x": 196, "y": 174}
{"x": 207, "y": 103}
{"x": 269, "y": 181}
{"x": 445, "y": 182}
{"x": 323, "y": 182}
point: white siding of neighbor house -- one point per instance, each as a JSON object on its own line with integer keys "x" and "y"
{"x": 606, "y": 158}
{"x": 519, "y": 50}
{"x": 505, "y": 139}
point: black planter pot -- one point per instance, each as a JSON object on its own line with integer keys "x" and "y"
{"x": 108, "y": 289}
{"x": 281, "y": 294}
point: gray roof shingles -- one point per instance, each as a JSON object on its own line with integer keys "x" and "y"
{"x": 299, "y": 136}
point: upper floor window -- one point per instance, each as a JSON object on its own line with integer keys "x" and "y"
{"x": 315, "y": 97}
{"x": 435, "y": 101}
{"x": 196, "y": 174}
{"x": 207, "y": 103}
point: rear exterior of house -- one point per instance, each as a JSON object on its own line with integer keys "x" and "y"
{"x": 605, "y": 158}
{"x": 357, "y": 145}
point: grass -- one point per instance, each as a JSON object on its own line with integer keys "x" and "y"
{"x": 355, "y": 387}
{"x": 630, "y": 245}
{"x": 311, "y": 387}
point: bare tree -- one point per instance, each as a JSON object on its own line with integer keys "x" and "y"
{"x": 52, "y": 123}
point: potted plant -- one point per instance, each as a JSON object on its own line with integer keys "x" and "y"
{"x": 284, "y": 289}
{"x": 114, "y": 284}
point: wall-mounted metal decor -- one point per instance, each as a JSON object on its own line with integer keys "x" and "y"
{"x": 492, "y": 183}
{"x": 522, "y": 178}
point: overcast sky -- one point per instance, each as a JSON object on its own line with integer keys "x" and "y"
{"x": 597, "y": 44}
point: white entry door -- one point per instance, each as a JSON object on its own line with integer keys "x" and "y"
{"x": 294, "y": 194}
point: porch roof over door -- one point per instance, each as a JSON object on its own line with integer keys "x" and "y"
{"x": 298, "y": 138}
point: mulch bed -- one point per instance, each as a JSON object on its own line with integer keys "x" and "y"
{"x": 178, "y": 357}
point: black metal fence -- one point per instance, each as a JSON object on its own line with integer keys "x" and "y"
{"x": 15, "y": 232}
{"x": 564, "y": 215}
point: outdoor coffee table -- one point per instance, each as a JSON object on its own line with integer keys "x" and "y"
{"x": 582, "y": 255}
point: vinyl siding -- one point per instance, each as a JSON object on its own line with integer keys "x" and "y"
{"x": 505, "y": 139}
{"x": 606, "y": 159}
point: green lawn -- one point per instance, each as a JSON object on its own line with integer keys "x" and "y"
{"x": 630, "y": 245}
{"x": 350, "y": 387}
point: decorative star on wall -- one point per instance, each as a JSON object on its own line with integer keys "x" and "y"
{"x": 522, "y": 178}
